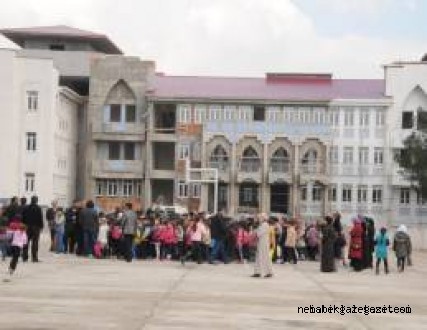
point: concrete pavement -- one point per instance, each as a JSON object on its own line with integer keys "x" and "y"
{"x": 66, "y": 292}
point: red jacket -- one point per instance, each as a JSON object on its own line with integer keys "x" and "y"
{"x": 356, "y": 240}
{"x": 169, "y": 236}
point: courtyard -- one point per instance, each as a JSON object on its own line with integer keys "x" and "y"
{"x": 67, "y": 292}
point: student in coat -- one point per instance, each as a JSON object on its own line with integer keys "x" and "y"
{"x": 381, "y": 250}
{"x": 402, "y": 246}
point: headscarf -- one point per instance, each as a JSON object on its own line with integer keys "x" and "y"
{"x": 403, "y": 229}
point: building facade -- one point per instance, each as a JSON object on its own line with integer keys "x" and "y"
{"x": 300, "y": 144}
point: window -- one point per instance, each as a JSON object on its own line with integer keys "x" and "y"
{"x": 405, "y": 195}
{"x": 348, "y": 118}
{"x": 316, "y": 194}
{"x": 127, "y": 188}
{"x": 215, "y": 112}
{"x": 334, "y": 117}
{"x": 380, "y": 118}
{"x": 114, "y": 151}
{"x": 244, "y": 113}
{"x": 303, "y": 193}
{"x": 229, "y": 113}
{"x": 184, "y": 114}
{"x": 333, "y": 155}
{"x": 183, "y": 151}
{"x": 115, "y": 113}
{"x": 196, "y": 190}
{"x": 138, "y": 188}
{"x": 182, "y": 189}
{"x": 259, "y": 113}
{"x": 407, "y": 119}
{"x": 332, "y": 193}
{"x": 348, "y": 155}
{"x": 199, "y": 114}
{"x": 421, "y": 119}
{"x": 248, "y": 195}
{"x": 112, "y": 188}
{"x": 130, "y": 113}
{"x": 32, "y": 101}
{"x": 346, "y": 193}
{"x": 29, "y": 182}
{"x": 378, "y": 156}
{"x": 420, "y": 199}
{"x": 377, "y": 194}
{"x": 99, "y": 188}
{"x": 362, "y": 194}
{"x": 129, "y": 151}
{"x": 363, "y": 155}
{"x": 364, "y": 118}
{"x": 31, "y": 141}
{"x": 57, "y": 47}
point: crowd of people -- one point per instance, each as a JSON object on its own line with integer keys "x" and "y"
{"x": 264, "y": 240}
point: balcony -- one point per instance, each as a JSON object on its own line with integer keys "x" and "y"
{"x": 118, "y": 168}
{"x": 313, "y": 172}
{"x": 249, "y": 170}
{"x": 280, "y": 171}
{"x": 223, "y": 167}
{"x": 105, "y": 131}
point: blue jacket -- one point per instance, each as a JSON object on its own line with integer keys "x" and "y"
{"x": 381, "y": 246}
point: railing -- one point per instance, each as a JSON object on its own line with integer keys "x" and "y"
{"x": 310, "y": 168}
{"x": 278, "y": 165}
{"x": 220, "y": 164}
{"x": 249, "y": 164}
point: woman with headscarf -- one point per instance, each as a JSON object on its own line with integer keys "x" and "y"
{"x": 402, "y": 246}
{"x": 327, "y": 263}
{"x": 355, "y": 252}
{"x": 368, "y": 243}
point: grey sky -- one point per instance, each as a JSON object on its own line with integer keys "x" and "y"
{"x": 236, "y": 37}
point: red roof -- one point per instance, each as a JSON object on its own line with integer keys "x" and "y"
{"x": 291, "y": 88}
{"x": 100, "y": 41}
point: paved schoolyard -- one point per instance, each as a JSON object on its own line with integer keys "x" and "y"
{"x": 66, "y": 292}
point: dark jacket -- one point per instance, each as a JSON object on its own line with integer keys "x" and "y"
{"x": 88, "y": 219}
{"x": 32, "y": 216}
{"x": 218, "y": 228}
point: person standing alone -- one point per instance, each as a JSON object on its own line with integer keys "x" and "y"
{"x": 263, "y": 263}
{"x": 32, "y": 217}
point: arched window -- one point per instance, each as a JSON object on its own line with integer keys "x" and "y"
{"x": 280, "y": 161}
{"x": 309, "y": 161}
{"x": 120, "y": 104}
{"x": 250, "y": 161}
{"x": 219, "y": 158}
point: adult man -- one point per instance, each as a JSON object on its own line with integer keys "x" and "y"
{"x": 218, "y": 237}
{"x": 263, "y": 264}
{"x": 129, "y": 225}
{"x": 32, "y": 217}
{"x": 20, "y": 209}
{"x": 12, "y": 208}
{"x": 88, "y": 220}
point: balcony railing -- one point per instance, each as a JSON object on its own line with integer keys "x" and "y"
{"x": 278, "y": 165}
{"x": 221, "y": 164}
{"x": 312, "y": 168}
{"x": 250, "y": 165}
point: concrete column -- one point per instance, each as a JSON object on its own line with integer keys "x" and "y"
{"x": 232, "y": 191}
{"x": 296, "y": 172}
{"x": 265, "y": 189}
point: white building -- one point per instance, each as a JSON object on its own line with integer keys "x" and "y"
{"x": 38, "y": 130}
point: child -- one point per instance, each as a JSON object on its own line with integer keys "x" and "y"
{"x": 103, "y": 236}
{"x": 381, "y": 249}
{"x": 402, "y": 247}
{"x": 17, "y": 231}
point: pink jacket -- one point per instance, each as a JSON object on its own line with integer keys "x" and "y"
{"x": 240, "y": 237}
{"x": 19, "y": 237}
{"x": 169, "y": 236}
